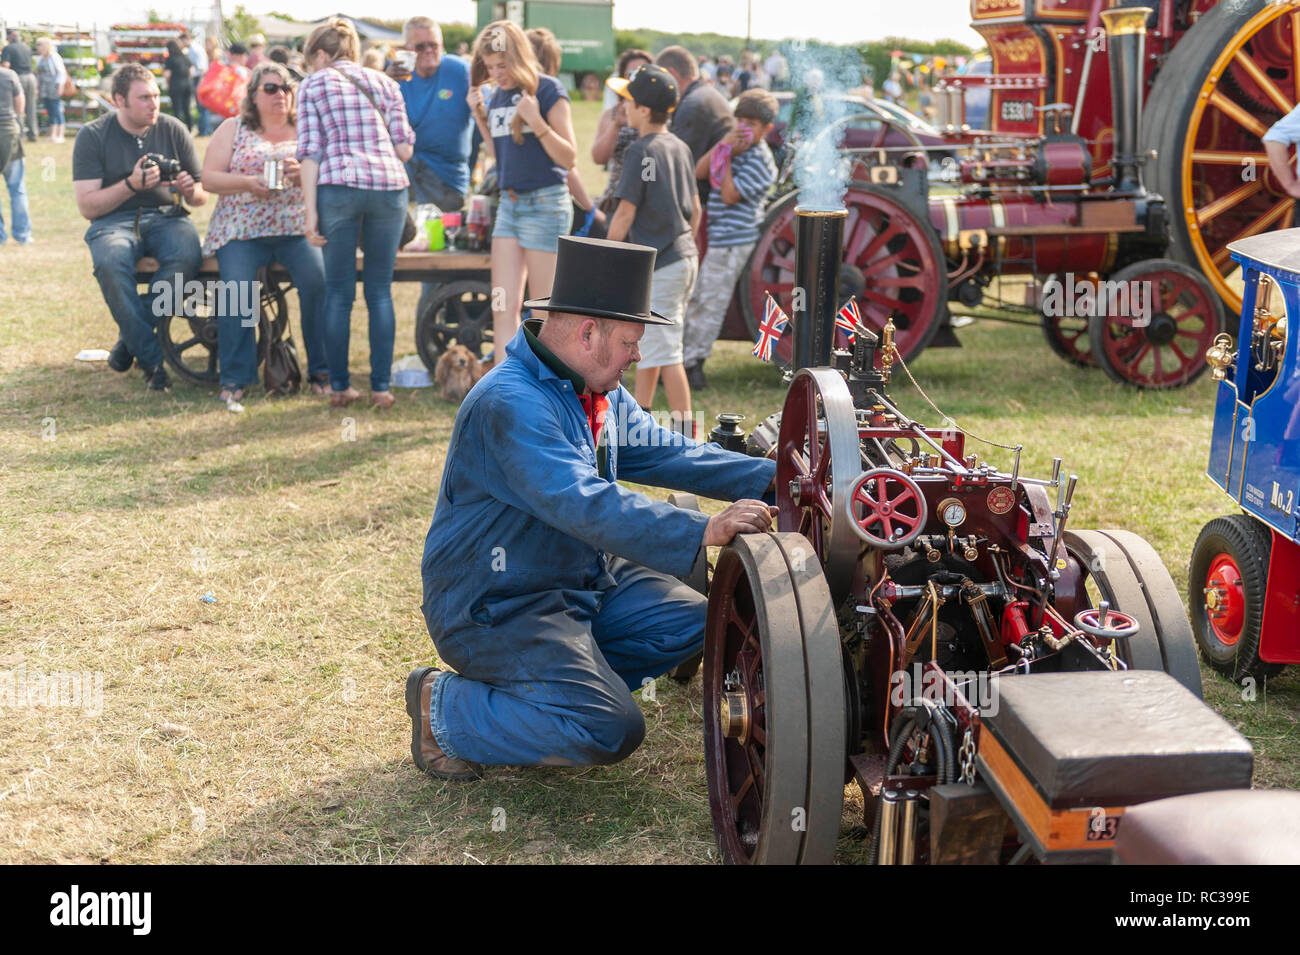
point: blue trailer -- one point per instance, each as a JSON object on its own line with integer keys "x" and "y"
{"x": 1244, "y": 578}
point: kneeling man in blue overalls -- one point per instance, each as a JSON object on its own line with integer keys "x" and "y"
{"x": 548, "y": 586}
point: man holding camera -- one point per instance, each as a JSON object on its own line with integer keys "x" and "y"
{"x": 131, "y": 169}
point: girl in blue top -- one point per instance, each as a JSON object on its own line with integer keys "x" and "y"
{"x": 528, "y": 128}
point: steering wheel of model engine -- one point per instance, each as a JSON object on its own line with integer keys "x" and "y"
{"x": 1106, "y": 623}
{"x": 886, "y": 508}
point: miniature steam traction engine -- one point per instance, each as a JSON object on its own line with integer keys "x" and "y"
{"x": 929, "y": 624}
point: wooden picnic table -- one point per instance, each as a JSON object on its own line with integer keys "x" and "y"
{"x": 409, "y": 266}
{"x": 458, "y": 309}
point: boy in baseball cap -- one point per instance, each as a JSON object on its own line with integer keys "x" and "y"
{"x": 659, "y": 206}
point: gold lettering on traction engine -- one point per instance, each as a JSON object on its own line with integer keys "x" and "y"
{"x": 1019, "y": 50}
{"x": 989, "y": 8}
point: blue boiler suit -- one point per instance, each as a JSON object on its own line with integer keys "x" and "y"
{"x": 546, "y": 582}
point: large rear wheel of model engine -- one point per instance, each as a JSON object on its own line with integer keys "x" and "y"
{"x": 775, "y": 719}
{"x": 1125, "y": 570}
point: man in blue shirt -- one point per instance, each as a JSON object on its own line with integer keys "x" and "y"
{"x": 435, "y": 102}
{"x": 547, "y": 583}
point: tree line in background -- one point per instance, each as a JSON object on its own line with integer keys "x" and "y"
{"x": 876, "y": 55}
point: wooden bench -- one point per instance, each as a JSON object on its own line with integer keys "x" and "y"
{"x": 409, "y": 267}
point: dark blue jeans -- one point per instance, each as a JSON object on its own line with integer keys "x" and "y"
{"x": 237, "y": 332}
{"x": 115, "y": 247}
{"x": 343, "y": 211}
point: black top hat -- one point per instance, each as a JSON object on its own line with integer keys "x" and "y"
{"x": 604, "y": 279}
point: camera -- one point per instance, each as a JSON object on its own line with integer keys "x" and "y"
{"x": 168, "y": 168}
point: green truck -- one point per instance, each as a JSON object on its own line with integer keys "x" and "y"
{"x": 585, "y": 29}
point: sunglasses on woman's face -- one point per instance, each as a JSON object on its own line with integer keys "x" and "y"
{"x": 270, "y": 89}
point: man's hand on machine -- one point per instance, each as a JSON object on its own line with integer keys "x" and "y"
{"x": 743, "y": 517}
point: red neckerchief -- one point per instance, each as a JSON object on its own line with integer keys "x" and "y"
{"x": 595, "y": 407}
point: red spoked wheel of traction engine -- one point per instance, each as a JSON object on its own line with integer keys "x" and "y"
{"x": 887, "y": 508}
{"x": 1155, "y": 326}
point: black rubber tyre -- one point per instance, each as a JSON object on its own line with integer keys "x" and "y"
{"x": 776, "y": 777}
{"x": 1248, "y": 544}
{"x": 458, "y": 313}
{"x": 1141, "y": 588}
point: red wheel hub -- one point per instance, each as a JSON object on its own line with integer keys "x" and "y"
{"x": 1225, "y": 599}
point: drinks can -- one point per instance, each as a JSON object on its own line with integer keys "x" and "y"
{"x": 273, "y": 174}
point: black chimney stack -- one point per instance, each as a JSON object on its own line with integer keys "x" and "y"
{"x": 819, "y": 241}
{"x": 1126, "y": 34}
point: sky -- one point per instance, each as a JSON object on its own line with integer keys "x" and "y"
{"x": 834, "y": 20}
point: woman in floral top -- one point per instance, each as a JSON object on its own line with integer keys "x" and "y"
{"x": 253, "y": 226}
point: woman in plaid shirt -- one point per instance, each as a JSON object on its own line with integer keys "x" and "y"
{"x": 353, "y": 138}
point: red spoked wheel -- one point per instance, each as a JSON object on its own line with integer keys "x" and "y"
{"x": 1154, "y": 326}
{"x": 818, "y": 457}
{"x": 897, "y": 253}
{"x": 1068, "y": 336}
{"x": 887, "y": 509}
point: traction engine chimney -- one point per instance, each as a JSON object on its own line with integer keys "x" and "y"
{"x": 819, "y": 241}
{"x": 1126, "y": 34}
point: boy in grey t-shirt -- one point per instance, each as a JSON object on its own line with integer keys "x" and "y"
{"x": 660, "y": 207}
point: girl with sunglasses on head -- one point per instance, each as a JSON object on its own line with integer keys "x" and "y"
{"x": 256, "y": 224}
{"x": 528, "y": 128}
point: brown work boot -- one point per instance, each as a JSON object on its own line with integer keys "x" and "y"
{"x": 426, "y": 752}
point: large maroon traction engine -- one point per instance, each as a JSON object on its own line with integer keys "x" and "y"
{"x": 927, "y": 624}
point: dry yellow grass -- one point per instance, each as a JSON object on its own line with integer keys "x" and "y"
{"x": 269, "y": 725}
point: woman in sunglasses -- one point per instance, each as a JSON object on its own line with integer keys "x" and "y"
{"x": 258, "y": 222}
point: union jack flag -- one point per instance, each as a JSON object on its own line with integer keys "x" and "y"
{"x": 770, "y": 328}
{"x": 848, "y": 318}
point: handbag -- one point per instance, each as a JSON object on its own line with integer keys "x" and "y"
{"x": 69, "y": 87}
{"x": 281, "y": 373}
{"x": 220, "y": 90}
{"x": 409, "y": 230}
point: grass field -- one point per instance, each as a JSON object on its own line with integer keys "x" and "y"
{"x": 268, "y": 725}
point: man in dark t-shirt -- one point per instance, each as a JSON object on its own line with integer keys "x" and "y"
{"x": 702, "y": 116}
{"x": 135, "y": 211}
{"x": 17, "y": 56}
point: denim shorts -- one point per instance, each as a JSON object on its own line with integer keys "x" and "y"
{"x": 537, "y": 218}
